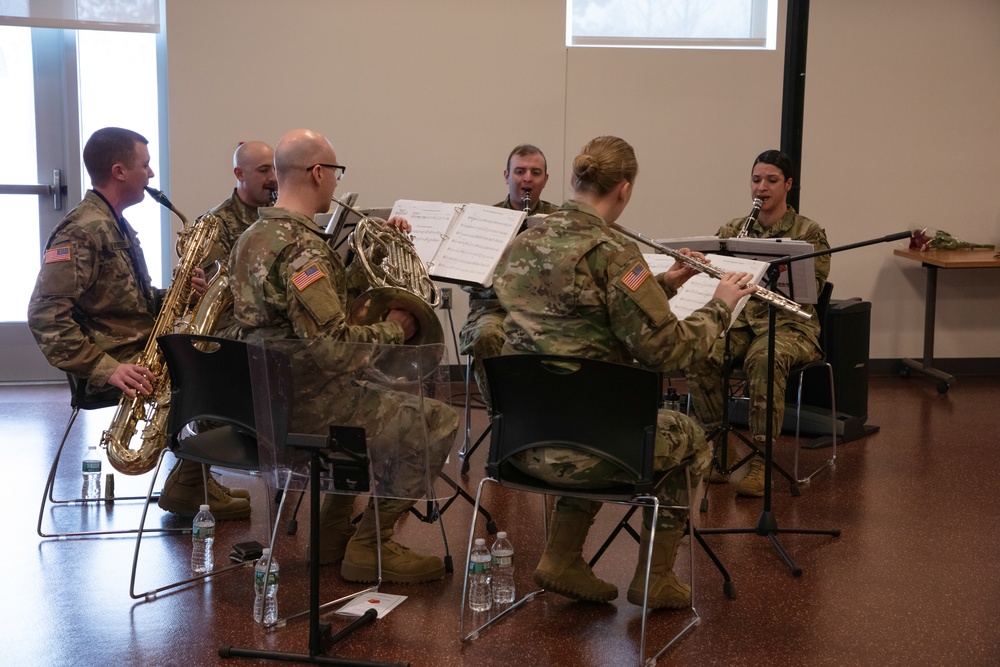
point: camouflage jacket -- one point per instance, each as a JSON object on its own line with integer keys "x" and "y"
{"x": 287, "y": 282}
{"x": 574, "y": 286}
{"x": 235, "y": 216}
{"x": 791, "y": 226}
{"x": 88, "y": 311}
{"x": 484, "y": 299}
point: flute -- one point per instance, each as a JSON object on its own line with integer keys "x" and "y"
{"x": 758, "y": 292}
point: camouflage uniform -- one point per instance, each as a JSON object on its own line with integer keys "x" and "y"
{"x": 575, "y": 287}
{"x": 482, "y": 335}
{"x": 235, "y": 216}
{"x": 796, "y": 340}
{"x": 93, "y": 307}
{"x": 288, "y": 283}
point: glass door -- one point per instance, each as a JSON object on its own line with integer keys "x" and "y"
{"x": 50, "y": 82}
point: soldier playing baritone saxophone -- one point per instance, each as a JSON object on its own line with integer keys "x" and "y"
{"x": 94, "y": 306}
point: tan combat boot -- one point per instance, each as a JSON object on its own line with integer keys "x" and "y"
{"x": 562, "y": 568}
{"x": 753, "y": 484}
{"x": 335, "y": 527}
{"x": 732, "y": 456}
{"x": 399, "y": 564}
{"x": 665, "y": 592}
{"x": 184, "y": 491}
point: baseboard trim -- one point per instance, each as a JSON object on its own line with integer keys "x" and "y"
{"x": 953, "y": 366}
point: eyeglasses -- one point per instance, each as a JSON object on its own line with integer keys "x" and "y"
{"x": 335, "y": 167}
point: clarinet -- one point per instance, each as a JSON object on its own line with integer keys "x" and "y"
{"x": 526, "y": 201}
{"x": 750, "y": 219}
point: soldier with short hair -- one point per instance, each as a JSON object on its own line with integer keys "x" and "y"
{"x": 574, "y": 286}
{"x": 796, "y": 341}
{"x": 253, "y": 165}
{"x": 287, "y": 284}
{"x": 94, "y": 306}
{"x": 482, "y": 336}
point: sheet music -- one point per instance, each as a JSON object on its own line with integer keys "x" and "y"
{"x": 429, "y": 223}
{"x": 700, "y": 288}
{"x": 473, "y": 247}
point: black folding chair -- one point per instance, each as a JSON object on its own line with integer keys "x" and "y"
{"x": 601, "y": 408}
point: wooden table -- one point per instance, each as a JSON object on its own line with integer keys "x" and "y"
{"x": 932, "y": 261}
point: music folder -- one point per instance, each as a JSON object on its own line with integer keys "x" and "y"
{"x": 460, "y": 243}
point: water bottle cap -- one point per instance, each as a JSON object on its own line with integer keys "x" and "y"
{"x": 502, "y": 535}
{"x": 203, "y": 508}
{"x": 480, "y": 541}
{"x": 265, "y": 551}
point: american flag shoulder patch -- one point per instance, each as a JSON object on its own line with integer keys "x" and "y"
{"x": 307, "y": 276}
{"x": 60, "y": 254}
{"x": 636, "y": 276}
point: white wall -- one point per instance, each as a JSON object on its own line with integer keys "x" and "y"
{"x": 424, "y": 101}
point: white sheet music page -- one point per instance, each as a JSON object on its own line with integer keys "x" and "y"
{"x": 429, "y": 223}
{"x": 474, "y": 244}
{"x": 700, "y": 288}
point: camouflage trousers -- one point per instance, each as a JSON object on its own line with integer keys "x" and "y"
{"x": 677, "y": 438}
{"x": 408, "y": 437}
{"x": 704, "y": 378}
{"x": 482, "y": 336}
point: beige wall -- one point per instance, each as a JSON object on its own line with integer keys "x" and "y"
{"x": 423, "y": 100}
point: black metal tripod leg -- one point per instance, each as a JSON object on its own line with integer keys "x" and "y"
{"x": 728, "y": 588}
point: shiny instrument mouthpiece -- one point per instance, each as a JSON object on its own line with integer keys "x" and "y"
{"x": 160, "y": 198}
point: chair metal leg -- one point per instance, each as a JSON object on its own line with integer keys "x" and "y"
{"x": 48, "y": 495}
{"x": 474, "y": 634}
{"x": 151, "y": 594}
{"x": 833, "y": 428}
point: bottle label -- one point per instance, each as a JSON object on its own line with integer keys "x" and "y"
{"x": 479, "y": 568}
{"x": 91, "y": 466}
{"x": 271, "y": 580}
{"x": 503, "y": 561}
{"x": 202, "y": 532}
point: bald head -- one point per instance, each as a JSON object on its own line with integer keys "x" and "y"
{"x": 253, "y": 164}
{"x": 304, "y": 185}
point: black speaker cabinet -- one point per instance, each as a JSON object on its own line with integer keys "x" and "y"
{"x": 846, "y": 341}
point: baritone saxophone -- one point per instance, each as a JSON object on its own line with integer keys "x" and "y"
{"x": 176, "y": 313}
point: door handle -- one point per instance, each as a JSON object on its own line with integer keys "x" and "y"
{"x": 56, "y": 190}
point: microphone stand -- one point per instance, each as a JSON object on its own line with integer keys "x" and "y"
{"x": 767, "y": 523}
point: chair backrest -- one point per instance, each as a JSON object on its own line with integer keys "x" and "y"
{"x": 602, "y": 408}
{"x": 209, "y": 381}
{"x": 82, "y": 399}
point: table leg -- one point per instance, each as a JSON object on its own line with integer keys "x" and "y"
{"x": 926, "y": 365}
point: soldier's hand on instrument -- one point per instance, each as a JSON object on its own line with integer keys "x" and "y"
{"x": 400, "y": 223}
{"x": 733, "y": 287}
{"x": 131, "y": 378}
{"x": 679, "y": 273}
{"x": 198, "y": 283}
{"x": 404, "y": 319}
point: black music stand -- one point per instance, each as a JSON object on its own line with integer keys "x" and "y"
{"x": 767, "y": 523}
{"x": 320, "y": 640}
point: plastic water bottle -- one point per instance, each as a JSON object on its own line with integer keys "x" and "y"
{"x": 202, "y": 539}
{"x": 265, "y": 603}
{"x": 480, "y": 564}
{"x": 502, "y": 575}
{"x": 91, "y": 474}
